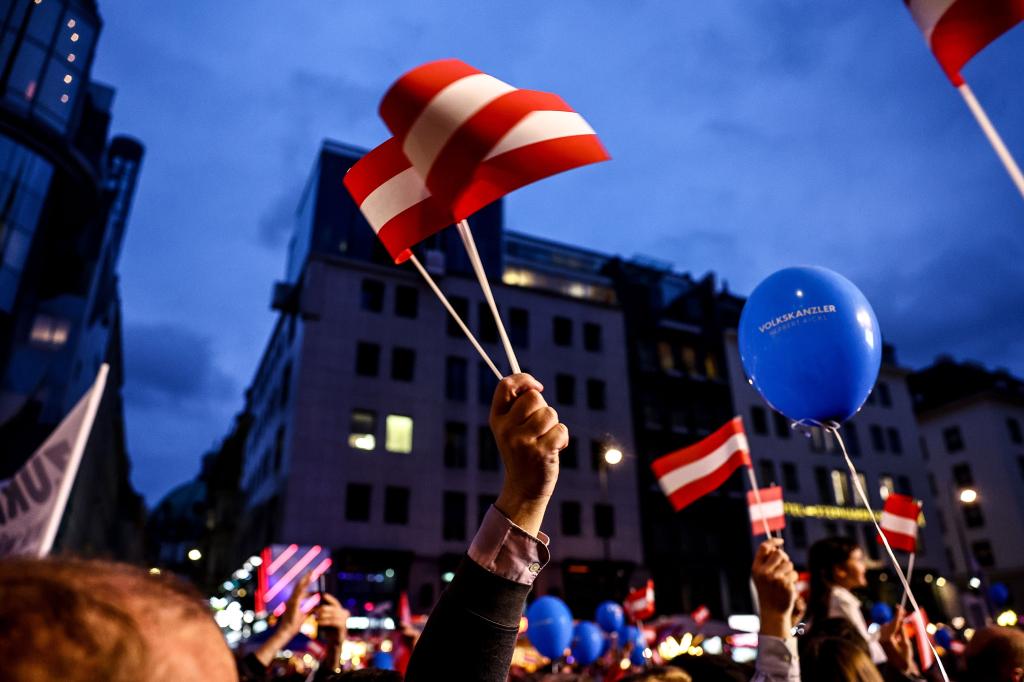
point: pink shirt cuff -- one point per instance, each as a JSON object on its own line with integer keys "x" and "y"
{"x": 506, "y": 550}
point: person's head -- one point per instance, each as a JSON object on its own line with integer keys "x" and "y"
{"x": 661, "y": 673}
{"x": 77, "y": 620}
{"x": 837, "y": 659}
{"x": 995, "y": 654}
{"x": 833, "y": 562}
{"x": 838, "y": 628}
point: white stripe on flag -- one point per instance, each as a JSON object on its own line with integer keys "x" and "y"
{"x": 446, "y": 113}
{"x": 766, "y": 510}
{"x": 927, "y": 13}
{"x": 694, "y": 471}
{"x": 392, "y": 197}
{"x": 899, "y": 524}
{"x": 540, "y": 126}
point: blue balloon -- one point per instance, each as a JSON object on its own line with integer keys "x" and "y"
{"x": 382, "y": 660}
{"x": 587, "y": 642}
{"x": 636, "y": 656}
{"x": 943, "y": 637}
{"x": 810, "y": 344}
{"x": 999, "y": 593}
{"x": 550, "y": 626}
{"x": 630, "y": 634}
{"x": 609, "y": 616}
{"x": 881, "y": 613}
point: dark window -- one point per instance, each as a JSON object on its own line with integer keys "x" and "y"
{"x": 790, "y": 478}
{"x": 357, "y": 502}
{"x": 818, "y": 440}
{"x": 488, "y": 330}
{"x": 884, "y": 397}
{"x": 1013, "y": 426}
{"x": 490, "y": 458}
{"x": 407, "y": 302}
{"x": 766, "y": 472}
{"x": 604, "y": 520}
{"x": 372, "y": 298}
{"x": 759, "y": 419}
{"x": 286, "y": 384}
{"x": 933, "y": 487}
{"x": 453, "y": 516}
{"x": 983, "y": 553}
{"x": 396, "y": 505}
{"x": 572, "y": 524}
{"x": 851, "y": 438}
{"x": 403, "y": 364}
{"x": 831, "y": 529}
{"x": 595, "y": 394}
{"x": 565, "y": 389}
{"x": 592, "y": 340}
{"x": 454, "y": 445}
{"x": 903, "y": 486}
{"x": 895, "y": 442}
{"x": 1020, "y": 464}
{"x": 962, "y": 475}
{"x": 569, "y": 457}
{"x": 870, "y": 540}
{"x": 924, "y": 449}
{"x": 519, "y": 327}
{"x": 973, "y": 516}
{"x": 799, "y": 532}
{"x": 953, "y": 438}
{"x": 461, "y": 306}
{"x": 485, "y": 384}
{"x": 877, "y": 438}
{"x": 455, "y": 378}
{"x": 597, "y": 448}
{"x": 563, "y": 331}
{"x": 871, "y": 397}
{"x": 782, "y": 428}
{"x": 483, "y": 505}
{"x": 824, "y": 485}
{"x": 278, "y": 448}
{"x": 367, "y": 359}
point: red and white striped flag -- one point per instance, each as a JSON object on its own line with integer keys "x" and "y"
{"x": 688, "y": 474}
{"x": 956, "y": 30}
{"x": 701, "y": 615}
{"x": 917, "y": 623}
{"x": 768, "y": 511}
{"x": 466, "y": 139}
{"x": 639, "y": 603}
{"x": 899, "y": 522}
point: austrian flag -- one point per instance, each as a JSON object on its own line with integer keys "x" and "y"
{"x": 687, "y": 475}
{"x": 899, "y": 522}
{"x": 769, "y": 511}
{"x": 639, "y": 603}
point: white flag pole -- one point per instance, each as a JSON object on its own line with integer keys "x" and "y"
{"x": 448, "y": 306}
{"x": 478, "y": 268}
{"x": 993, "y": 137}
{"x": 757, "y": 500}
{"x": 910, "y": 574}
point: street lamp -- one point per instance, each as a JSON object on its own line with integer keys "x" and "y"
{"x": 968, "y": 495}
{"x": 613, "y": 456}
{"x": 195, "y": 555}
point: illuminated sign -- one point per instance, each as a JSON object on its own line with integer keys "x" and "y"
{"x": 827, "y": 511}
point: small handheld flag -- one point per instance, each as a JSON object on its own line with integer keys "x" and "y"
{"x": 688, "y": 474}
{"x": 899, "y": 522}
{"x": 766, "y": 514}
{"x": 639, "y": 603}
{"x": 701, "y": 615}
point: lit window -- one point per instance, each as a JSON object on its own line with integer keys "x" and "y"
{"x": 399, "y": 433}
{"x": 49, "y": 332}
{"x": 362, "y": 427}
{"x": 886, "y": 486}
{"x": 839, "y": 487}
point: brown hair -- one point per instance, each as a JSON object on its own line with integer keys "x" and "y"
{"x": 832, "y": 658}
{"x": 993, "y": 654}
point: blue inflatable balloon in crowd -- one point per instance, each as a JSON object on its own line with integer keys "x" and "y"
{"x": 609, "y": 616}
{"x": 550, "y": 626}
{"x": 587, "y": 642}
{"x": 810, "y": 344}
{"x": 999, "y": 593}
{"x": 382, "y": 660}
{"x": 881, "y": 613}
{"x": 943, "y": 637}
{"x": 630, "y": 634}
{"x": 636, "y": 656}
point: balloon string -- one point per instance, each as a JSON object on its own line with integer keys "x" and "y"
{"x": 834, "y": 428}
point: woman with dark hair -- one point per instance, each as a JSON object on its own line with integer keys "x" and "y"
{"x": 837, "y": 566}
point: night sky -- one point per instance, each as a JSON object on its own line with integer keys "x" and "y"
{"x": 747, "y": 136}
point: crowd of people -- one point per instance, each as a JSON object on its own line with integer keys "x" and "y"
{"x": 80, "y": 620}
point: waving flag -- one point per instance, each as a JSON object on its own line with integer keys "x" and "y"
{"x": 768, "y": 511}
{"x": 701, "y": 615}
{"x": 899, "y": 522}
{"x": 687, "y": 475}
{"x": 956, "y": 30}
{"x": 639, "y": 603}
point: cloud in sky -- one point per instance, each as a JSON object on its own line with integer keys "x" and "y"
{"x": 746, "y": 136}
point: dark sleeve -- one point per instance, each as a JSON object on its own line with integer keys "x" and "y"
{"x": 471, "y": 633}
{"x": 250, "y": 669}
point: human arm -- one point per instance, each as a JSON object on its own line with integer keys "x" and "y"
{"x": 775, "y": 580}
{"x": 254, "y": 666}
{"x": 332, "y": 625}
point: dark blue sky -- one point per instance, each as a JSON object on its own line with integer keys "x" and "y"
{"x": 747, "y": 135}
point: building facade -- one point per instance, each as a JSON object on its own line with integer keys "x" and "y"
{"x": 370, "y": 408}
{"x": 65, "y": 193}
{"x": 883, "y": 442}
{"x": 972, "y": 427}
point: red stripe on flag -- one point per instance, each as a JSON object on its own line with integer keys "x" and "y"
{"x": 453, "y": 168}
{"x": 412, "y": 226}
{"x": 967, "y": 27}
{"x": 377, "y": 166}
{"x": 406, "y": 99}
{"x": 689, "y": 494}
{"x": 902, "y": 505}
{"x": 899, "y": 514}
{"x": 769, "y": 496}
{"x": 506, "y": 172}
{"x": 692, "y": 453}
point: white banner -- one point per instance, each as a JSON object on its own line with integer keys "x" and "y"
{"x": 33, "y": 500}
